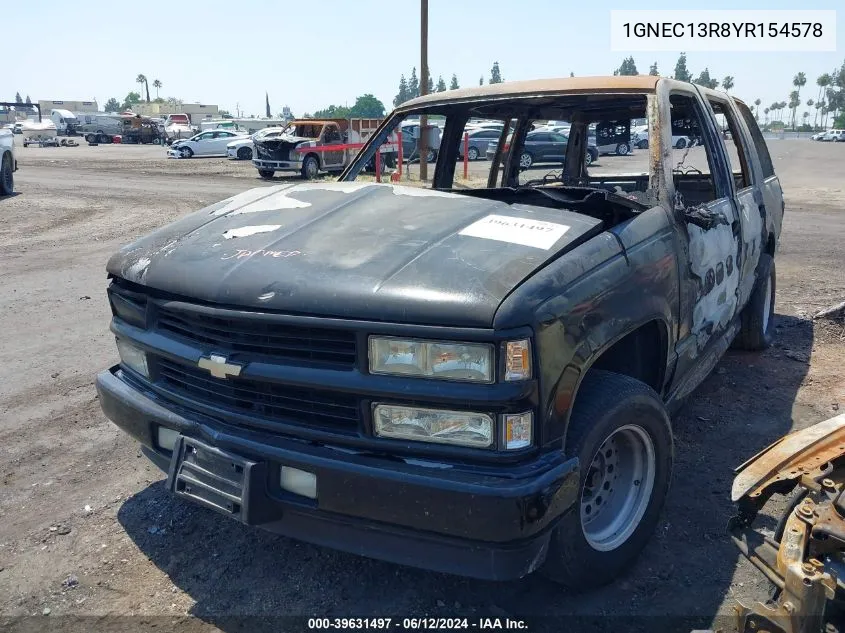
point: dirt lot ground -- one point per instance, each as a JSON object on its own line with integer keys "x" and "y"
{"x": 86, "y": 528}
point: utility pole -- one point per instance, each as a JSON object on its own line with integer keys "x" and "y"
{"x": 423, "y": 144}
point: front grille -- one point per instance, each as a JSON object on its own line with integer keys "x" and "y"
{"x": 257, "y": 336}
{"x": 279, "y": 403}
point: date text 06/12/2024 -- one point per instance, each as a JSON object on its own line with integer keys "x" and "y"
{"x": 417, "y": 624}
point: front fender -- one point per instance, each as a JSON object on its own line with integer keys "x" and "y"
{"x": 583, "y": 303}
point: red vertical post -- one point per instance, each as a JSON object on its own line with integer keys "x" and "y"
{"x": 399, "y": 142}
{"x": 466, "y": 155}
{"x": 378, "y": 165}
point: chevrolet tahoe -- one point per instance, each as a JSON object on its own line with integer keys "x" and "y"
{"x": 468, "y": 376}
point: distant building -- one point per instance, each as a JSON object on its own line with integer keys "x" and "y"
{"x": 73, "y": 106}
{"x": 196, "y": 110}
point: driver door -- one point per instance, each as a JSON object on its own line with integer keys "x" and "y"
{"x": 705, "y": 204}
{"x": 202, "y": 144}
{"x": 331, "y": 137}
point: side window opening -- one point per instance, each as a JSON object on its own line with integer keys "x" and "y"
{"x": 731, "y": 139}
{"x": 693, "y": 165}
{"x": 759, "y": 142}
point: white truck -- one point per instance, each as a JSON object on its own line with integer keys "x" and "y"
{"x": 8, "y": 164}
{"x": 67, "y": 123}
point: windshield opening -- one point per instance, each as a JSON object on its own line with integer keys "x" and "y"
{"x": 583, "y": 140}
{"x": 303, "y": 130}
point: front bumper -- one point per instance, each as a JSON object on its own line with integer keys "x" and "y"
{"x": 461, "y": 520}
{"x": 278, "y": 165}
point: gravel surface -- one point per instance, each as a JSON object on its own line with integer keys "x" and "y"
{"x": 86, "y": 528}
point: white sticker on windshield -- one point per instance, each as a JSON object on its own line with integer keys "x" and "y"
{"x": 536, "y": 233}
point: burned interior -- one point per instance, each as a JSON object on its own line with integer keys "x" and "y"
{"x": 612, "y": 198}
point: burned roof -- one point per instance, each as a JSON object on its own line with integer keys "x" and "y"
{"x": 633, "y": 83}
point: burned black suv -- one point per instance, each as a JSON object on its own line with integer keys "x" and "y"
{"x": 470, "y": 373}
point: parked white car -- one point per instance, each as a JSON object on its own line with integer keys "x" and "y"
{"x": 242, "y": 148}
{"x": 818, "y": 136}
{"x": 837, "y": 136}
{"x": 8, "y": 164}
{"x": 210, "y": 143}
{"x": 639, "y": 139}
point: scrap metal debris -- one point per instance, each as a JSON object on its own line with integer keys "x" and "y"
{"x": 805, "y": 557}
{"x": 833, "y": 312}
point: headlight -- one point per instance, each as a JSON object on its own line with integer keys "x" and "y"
{"x": 133, "y": 357}
{"x": 432, "y": 359}
{"x": 434, "y": 425}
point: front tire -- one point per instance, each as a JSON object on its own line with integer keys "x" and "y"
{"x": 472, "y": 153}
{"x": 310, "y": 167}
{"x": 681, "y": 143}
{"x": 756, "y": 330}
{"x": 266, "y": 174}
{"x": 186, "y": 152}
{"x": 7, "y": 176}
{"x": 622, "y": 149}
{"x": 245, "y": 153}
{"x": 621, "y": 433}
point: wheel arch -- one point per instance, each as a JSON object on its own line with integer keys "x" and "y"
{"x": 640, "y": 351}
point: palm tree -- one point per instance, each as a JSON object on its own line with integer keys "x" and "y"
{"x": 819, "y": 111}
{"x": 757, "y": 103}
{"x": 141, "y": 79}
{"x": 157, "y": 84}
{"x": 823, "y": 82}
{"x": 766, "y": 112}
{"x": 728, "y": 83}
{"x": 794, "y": 102}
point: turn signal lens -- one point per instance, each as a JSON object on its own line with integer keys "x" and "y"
{"x": 518, "y": 360}
{"x": 518, "y": 430}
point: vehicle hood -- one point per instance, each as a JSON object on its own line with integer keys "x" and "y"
{"x": 240, "y": 142}
{"x": 354, "y": 250}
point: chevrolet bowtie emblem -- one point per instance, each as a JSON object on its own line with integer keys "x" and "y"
{"x": 218, "y": 367}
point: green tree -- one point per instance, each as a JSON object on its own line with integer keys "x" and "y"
{"x": 628, "y": 67}
{"x": 495, "y": 74}
{"x": 705, "y": 80}
{"x": 333, "y": 112}
{"x": 652, "y": 70}
{"x": 454, "y": 85}
{"x": 131, "y": 99}
{"x": 28, "y": 101}
{"x": 141, "y": 79}
{"x": 728, "y": 83}
{"x": 430, "y": 84}
{"x": 441, "y": 85}
{"x": 766, "y": 112}
{"x": 413, "y": 84}
{"x": 157, "y": 85}
{"x": 18, "y": 98}
{"x": 481, "y": 80}
{"x": 401, "y": 96}
{"x": 367, "y": 107}
{"x": 682, "y": 73}
{"x": 571, "y": 74}
{"x": 112, "y": 105}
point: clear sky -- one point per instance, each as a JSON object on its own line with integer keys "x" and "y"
{"x": 309, "y": 55}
